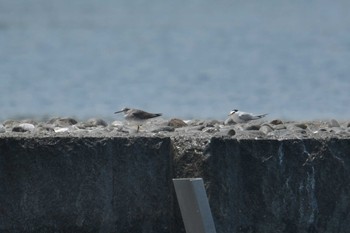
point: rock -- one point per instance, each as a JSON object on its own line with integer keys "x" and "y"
{"x": 231, "y": 132}
{"x": 336, "y": 130}
{"x": 224, "y": 132}
{"x": 210, "y": 130}
{"x": 46, "y": 129}
{"x": 18, "y": 129}
{"x": 229, "y": 121}
{"x": 11, "y": 123}
{"x": 61, "y": 130}
{"x": 276, "y": 122}
{"x": 2, "y": 129}
{"x": 204, "y": 123}
{"x": 227, "y": 132}
{"x": 117, "y": 123}
{"x": 266, "y": 128}
{"x": 279, "y": 127}
{"x": 176, "y": 123}
{"x": 23, "y": 127}
{"x": 212, "y": 123}
{"x": 95, "y": 122}
{"x": 252, "y": 127}
{"x": 163, "y": 129}
{"x": 190, "y": 128}
{"x": 301, "y": 125}
{"x": 29, "y": 121}
{"x": 62, "y": 121}
{"x": 333, "y": 123}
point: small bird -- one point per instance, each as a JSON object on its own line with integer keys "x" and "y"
{"x": 243, "y": 117}
{"x": 138, "y": 116}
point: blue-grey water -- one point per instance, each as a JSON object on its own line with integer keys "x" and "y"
{"x": 186, "y": 58}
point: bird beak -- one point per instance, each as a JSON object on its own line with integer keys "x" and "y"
{"x": 231, "y": 113}
{"x": 118, "y": 112}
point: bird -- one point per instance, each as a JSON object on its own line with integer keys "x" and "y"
{"x": 137, "y": 115}
{"x": 243, "y": 117}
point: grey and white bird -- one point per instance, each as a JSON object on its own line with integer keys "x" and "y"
{"x": 137, "y": 116}
{"x": 244, "y": 117}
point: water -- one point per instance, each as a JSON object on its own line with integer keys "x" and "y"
{"x": 188, "y": 59}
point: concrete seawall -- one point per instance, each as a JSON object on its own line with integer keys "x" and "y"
{"x": 123, "y": 184}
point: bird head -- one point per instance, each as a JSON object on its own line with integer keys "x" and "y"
{"x": 233, "y": 112}
{"x": 123, "y": 110}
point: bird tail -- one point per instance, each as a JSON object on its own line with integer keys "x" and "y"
{"x": 157, "y": 114}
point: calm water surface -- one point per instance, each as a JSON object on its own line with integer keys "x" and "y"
{"x": 188, "y": 59}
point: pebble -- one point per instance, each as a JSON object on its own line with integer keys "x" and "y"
{"x": 117, "y": 123}
{"x": 301, "y": 125}
{"x": 62, "y": 121}
{"x": 210, "y": 130}
{"x": 231, "y": 132}
{"x": 252, "y": 127}
{"x": 336, "y": 130}
{"x": 176, "y": 123}
{"x": 23, "y": 127}
{"x": 229, "y": 121}
{"x": 11, "y": 123}
{"x": 279, "y": 127}
{"x": 276, "y": 122}
{"x": 225, "y": 132}
{"x": 95, "y": 122}
{"x": 2, "y": 129}
{"x": 266, "y": 129}
{"x": 61, "y": 130}
{"x": 163, "y": 129}
{"x": 46, "y": 129}
{"x": 275, "y": 129}
{"x": 333, "y": 123}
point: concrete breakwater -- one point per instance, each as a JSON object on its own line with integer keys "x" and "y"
{"x": 112, "y": 180}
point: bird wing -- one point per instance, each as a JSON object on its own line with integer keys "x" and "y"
{"x": 144, "y": 115}
{"x": 246, "y": 116}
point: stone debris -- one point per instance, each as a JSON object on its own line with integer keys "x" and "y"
{"x": 301, "y": 125}
{"x": 266, "y": 128}
{"x": 276, "y": 122}
{"x": 252, "y": 127}
{"x": 96, "y": 127}
{"x": 177, "y": 123}
{"x": 333, "y": 123}
{"x": 2, "y": 129}
{"x": 62, "y": 121}
{"x": 93, "y": 122}
{"x": 23, "y": 127}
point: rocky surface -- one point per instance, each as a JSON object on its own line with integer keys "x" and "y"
{"x": 265, "y": 176}
{"x": 274, "y": 129}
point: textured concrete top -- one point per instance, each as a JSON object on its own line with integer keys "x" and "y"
{"x": 263, "y": 129}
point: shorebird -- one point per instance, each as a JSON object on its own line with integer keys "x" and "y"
{"x": 137, "y": 116}
{"x": 243, "y": 117}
